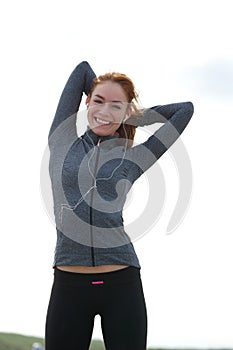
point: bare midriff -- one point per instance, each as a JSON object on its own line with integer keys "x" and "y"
{"x": 91, "y": 269}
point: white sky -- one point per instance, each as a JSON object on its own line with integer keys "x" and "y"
{"x": 174, "y": 51}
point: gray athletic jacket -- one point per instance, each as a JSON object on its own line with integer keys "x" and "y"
{"x": 91, "y": 176}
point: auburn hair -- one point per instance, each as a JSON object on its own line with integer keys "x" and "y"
{"x": 125, "y": 131}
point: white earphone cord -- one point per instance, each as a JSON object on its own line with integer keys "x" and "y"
{"x": 67, "y": 206}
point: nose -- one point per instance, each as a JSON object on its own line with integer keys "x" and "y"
{"x": 105, "y": 109}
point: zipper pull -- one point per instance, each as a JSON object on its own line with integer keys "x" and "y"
{"x": 98, "y": 143}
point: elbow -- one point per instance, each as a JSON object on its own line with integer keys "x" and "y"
{"x": 190, "y": 107}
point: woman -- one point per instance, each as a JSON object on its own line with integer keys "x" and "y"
{"x": 96, "y": 269}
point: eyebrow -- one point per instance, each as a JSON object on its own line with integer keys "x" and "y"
{"x": 102, "y": 98}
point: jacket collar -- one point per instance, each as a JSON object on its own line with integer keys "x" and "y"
{"x": 93, "y": 139}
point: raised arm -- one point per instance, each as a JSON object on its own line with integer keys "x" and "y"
{"x": 79, "y": 81}
{"x": 156, "y": 114}
{"x": 176, "y": 117}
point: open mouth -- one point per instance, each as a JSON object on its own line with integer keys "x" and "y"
{"x": 101, "y": 121}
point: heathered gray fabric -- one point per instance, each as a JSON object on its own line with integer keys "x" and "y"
{"x": 90, "y": 182}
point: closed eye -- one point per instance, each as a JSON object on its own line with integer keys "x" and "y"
{"x": 117, "y": 107}
{"x": 98, "y": 101}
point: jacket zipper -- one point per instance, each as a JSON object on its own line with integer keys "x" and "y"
{"x": 91, "y": 203}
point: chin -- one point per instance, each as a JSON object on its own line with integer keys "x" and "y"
{"x": 103, "y": 132}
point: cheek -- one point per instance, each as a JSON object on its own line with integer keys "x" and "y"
{"x": 119, "y": 117}
{"x": 90, "y": 120}
{"x": 92, "y": 110}
{"x": 88, "y": 115}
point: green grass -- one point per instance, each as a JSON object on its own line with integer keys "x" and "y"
{"x": 97, "y": 345}
{"x": 11, "y": 341}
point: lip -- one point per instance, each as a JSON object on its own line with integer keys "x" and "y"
{"x": 105, "y": 122}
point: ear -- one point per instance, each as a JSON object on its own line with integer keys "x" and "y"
{"x": 87, "y": 100}
{"x": 128, "y": 114}
{"x": 129, "y": 111}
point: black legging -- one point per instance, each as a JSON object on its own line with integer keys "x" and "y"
{"x": 77, "y": 297}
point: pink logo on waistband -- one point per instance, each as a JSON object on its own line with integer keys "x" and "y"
{"x": 97, "y": 282}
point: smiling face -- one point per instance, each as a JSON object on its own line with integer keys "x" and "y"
{"x": 107, "y": 108}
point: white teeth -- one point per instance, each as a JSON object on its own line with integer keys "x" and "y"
{"x": 102, "y": 121}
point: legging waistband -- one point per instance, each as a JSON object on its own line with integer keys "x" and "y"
{"x": 124, "y": 275}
